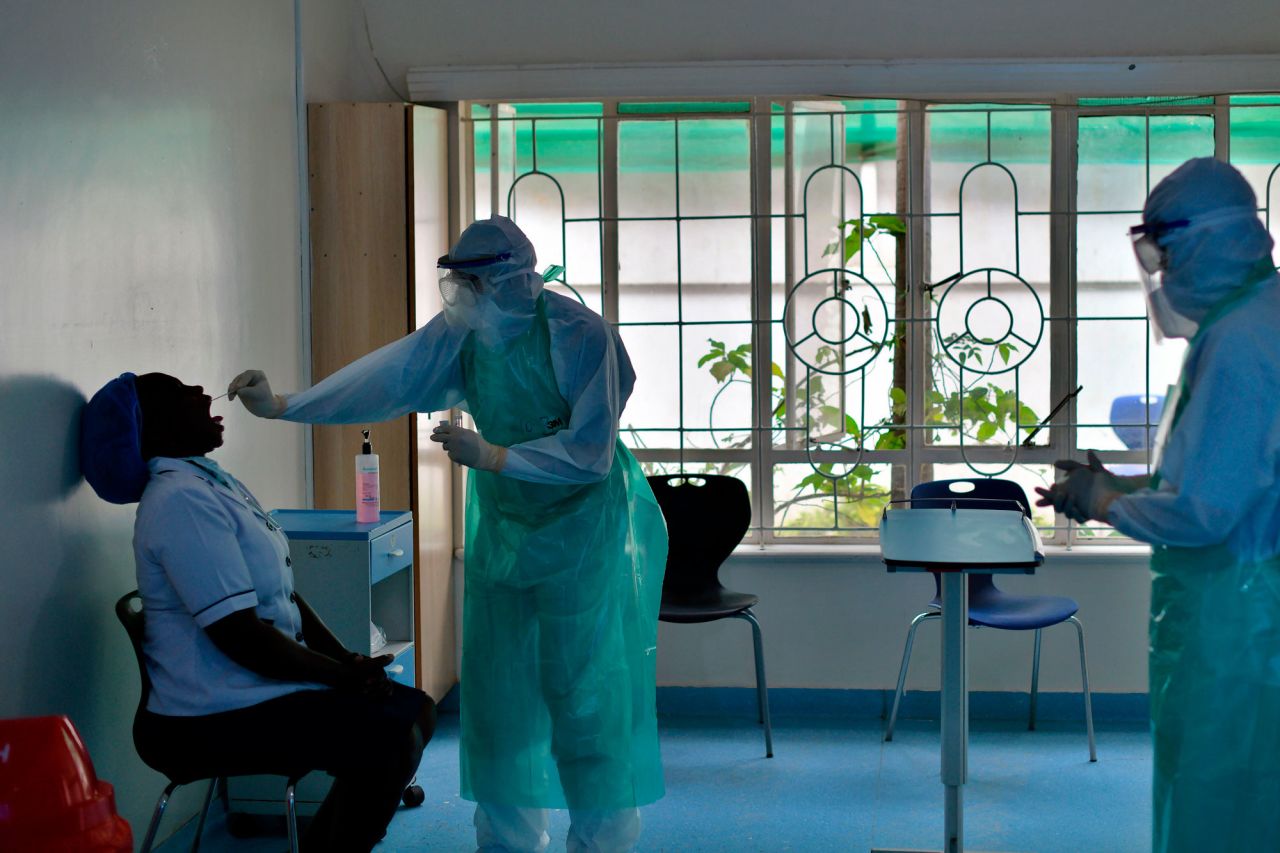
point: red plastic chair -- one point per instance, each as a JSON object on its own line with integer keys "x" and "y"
{"x": 51, "y": 801}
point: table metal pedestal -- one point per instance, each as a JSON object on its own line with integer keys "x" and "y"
{"x": 955, "y": 711}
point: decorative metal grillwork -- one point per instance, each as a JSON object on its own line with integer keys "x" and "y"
{"x": 848, "y": 316}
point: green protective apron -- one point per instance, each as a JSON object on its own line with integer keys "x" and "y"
{"x": 1214, "y": 678}
{"x": 560, "y": 611}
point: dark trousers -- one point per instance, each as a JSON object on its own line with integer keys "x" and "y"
{"x": 371, "y": 746}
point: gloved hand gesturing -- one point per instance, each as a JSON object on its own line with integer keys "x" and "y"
{"x": 254, "y": 391}
{"x": 466, "y": 447}
{"x": 1087, "y": 491}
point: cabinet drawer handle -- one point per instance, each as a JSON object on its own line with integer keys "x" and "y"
{"x": 399, "y": 552}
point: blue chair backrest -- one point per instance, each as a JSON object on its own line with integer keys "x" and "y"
{"x": 969, "y": 493}
{"x": 1129, "y": 418}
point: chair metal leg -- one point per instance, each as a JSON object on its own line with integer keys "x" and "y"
{"x": 291, "y": 813}
{"x": 1035, "y": 682}
{"x": 204, "y": 814}
{"x": 1088, "y": 698}
{"x": 762, "y": 687}
{"x": 161, "y": 803}
{"x": 902, "y": 670}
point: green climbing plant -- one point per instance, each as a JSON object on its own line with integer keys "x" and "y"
{"x": 983, "y": 412}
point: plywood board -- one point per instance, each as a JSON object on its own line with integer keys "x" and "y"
{"x": 360, "y": 279}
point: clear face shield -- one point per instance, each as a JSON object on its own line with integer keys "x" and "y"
{"x": 1152, "y": 259}
{"x": 462, "y": 289}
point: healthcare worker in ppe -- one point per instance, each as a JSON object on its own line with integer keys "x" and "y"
{"x": 565, "y": 543}
{"x": 1211, "y": 511}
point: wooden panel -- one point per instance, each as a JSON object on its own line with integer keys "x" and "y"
{"x": 379, "y": 196}
{"x": 433, "y": 476}
{"x": 360, "y": 279}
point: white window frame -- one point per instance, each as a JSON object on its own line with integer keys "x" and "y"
{"x": 1065, "y": 114}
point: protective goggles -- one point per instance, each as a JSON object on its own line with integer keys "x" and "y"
{"x": 1152, "y": 258}
{"x": 459, "y": 282}
{"x": 457, "y": 287}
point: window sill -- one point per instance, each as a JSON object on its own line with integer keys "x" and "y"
{"x": 869, "y": 555}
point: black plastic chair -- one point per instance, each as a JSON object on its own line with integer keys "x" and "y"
{"x": 989, "y": 607}
{"x": 130, "y": 613}
{"x": 707, "y": 515}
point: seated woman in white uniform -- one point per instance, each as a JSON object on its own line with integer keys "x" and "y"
{"x": 245, "y": 677}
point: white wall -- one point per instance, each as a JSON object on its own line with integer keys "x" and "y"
{"x": 148, "y": 221}
{"x": 839, "y": 621}
{"x": 411, "y": 33}
{"x": 337, "y": 63}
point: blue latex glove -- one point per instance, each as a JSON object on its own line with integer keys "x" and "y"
{"x": 466, "y": 447}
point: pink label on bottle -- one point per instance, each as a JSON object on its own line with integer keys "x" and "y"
{"x": 367, "y": 504}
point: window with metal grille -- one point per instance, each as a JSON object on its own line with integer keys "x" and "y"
{"x": 834, "y": 300}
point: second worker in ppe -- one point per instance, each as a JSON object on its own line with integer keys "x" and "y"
{"x": 1211, "y": 511}
{"x": 565, "y": 543}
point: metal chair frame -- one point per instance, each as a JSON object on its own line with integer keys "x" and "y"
{"x": 936, "y": 613}
{"x": 291, "y": 814}
{"x": 762, "y": 687}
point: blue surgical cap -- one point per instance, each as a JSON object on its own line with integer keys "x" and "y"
{"x": 496, "y": 235}
{"x": 1198, "y": 187}
{"x": 511, "y": 281}
{"x": 111, "y": 442}
{"x": 1221, "y": 249}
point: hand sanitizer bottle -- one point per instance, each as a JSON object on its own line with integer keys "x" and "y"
{"x": 367, "y": 499}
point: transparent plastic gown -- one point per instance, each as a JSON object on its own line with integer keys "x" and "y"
{"x": 563, "y": 584}
{"x": 1214, "y": 665}
{"x": 1215, "y": 701}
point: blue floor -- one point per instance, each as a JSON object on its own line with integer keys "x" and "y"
{"x": 832, "y": 786}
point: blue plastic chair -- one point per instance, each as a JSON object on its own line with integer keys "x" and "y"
{"x": 1129, "y": 416}
{"x": 989, "y": 607}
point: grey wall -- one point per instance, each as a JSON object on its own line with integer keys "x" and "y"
{"x": 336, "y": 56}
{"x": 412, "y": 33}
{"x": 148, "y": 221}
{"x": 838, "y": 620}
